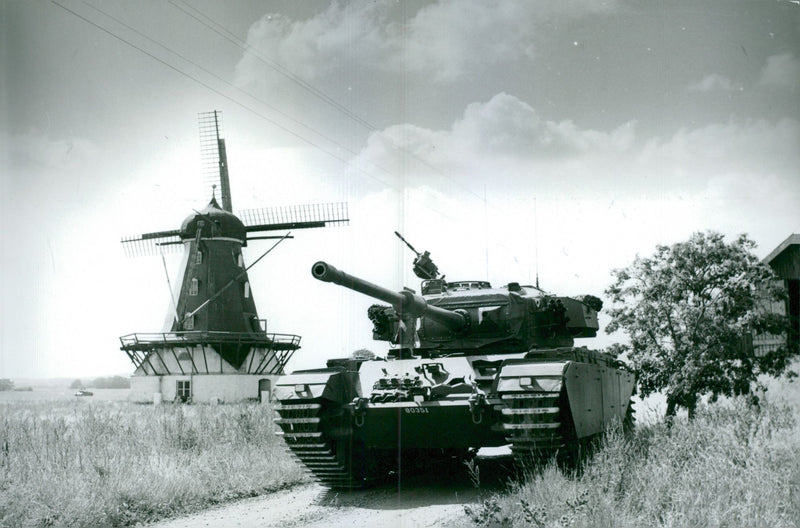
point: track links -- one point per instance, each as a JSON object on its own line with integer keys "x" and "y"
{"x": 302, "y": 429}
{"x": 532, "y": 424}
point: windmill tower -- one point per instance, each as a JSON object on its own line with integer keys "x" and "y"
{"x": 214, "y": 346}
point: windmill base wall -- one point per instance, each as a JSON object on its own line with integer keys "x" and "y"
{"x": 204, "y": 388}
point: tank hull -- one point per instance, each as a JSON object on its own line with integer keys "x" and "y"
{"x": 351, "y": 422}
{"x": 434, "y": 425}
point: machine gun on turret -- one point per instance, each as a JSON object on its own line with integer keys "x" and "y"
{"x": 424, "y": 268}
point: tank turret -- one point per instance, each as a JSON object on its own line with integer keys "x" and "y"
{"x": 470, "y": 315}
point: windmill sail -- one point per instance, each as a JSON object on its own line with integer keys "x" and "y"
{"x": 214, "y": 157}
{"x": 149, "y": 244}
{"x": 214, "y": 325}
{"x": 294, "y": 216}
{"x": 263, "y": 219}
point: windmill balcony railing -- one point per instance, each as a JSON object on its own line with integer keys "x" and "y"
{"x": 149, "y": 341}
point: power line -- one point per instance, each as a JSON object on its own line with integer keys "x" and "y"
{"x": 250, "y": 108}
{"x": 227, "y": 34}
{"x": 209, "y": 23}
{"x": 254, "y": 98}
{"x": 220, "y": 93}
{"x": 282, "y": 70}
{"x": 220, "y": 79}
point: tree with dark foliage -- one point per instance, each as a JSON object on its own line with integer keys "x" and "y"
{"x": 689, "y": 310}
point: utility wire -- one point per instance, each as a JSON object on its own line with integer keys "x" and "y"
{"x": 209, "y": 23}
{"x": 218, "y": 78}
{"x": 227, "y": 34}
{"x": 255, "y": 111}
{"x": 237, "y": 102}
{"x": 254, "y": 98}
{"x": 231, "y": 85}
{"x": 222, "y": 94}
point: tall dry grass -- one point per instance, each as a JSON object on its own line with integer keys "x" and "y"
{"x": 118, "y": 464}
{"x": 733, "y": 466}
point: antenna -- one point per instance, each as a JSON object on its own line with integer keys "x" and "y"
{"x": 214, "y": 155}
{"x": 486, "y": 230}
{"x": 536, "y": 241}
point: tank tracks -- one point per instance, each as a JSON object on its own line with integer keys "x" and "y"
{"x": 536, "y": 425}
{"x": 306, "y": 428}
{"x": 539, "y": 427}
{"x": 319, "y": 434}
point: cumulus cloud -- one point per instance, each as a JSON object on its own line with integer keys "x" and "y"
{"x": 502, "y": 130}
{"x": 715, "y": 82}
{"x": 505, "y": 134}
{"x": 592, "y": 186}
{"x": 751, "y": 145}
{"x": 781, "y": 71}
{"x": 448, "y": 39}
{"x": 444, "y": 40}
{"x": 357, "y": 32}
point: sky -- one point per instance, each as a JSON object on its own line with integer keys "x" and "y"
{"x": 511, "y": 139}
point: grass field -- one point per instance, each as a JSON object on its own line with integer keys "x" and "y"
{"x": 97, "y": 462}
{"x": 112, "y": 463}
{"x": 733, "y": 466}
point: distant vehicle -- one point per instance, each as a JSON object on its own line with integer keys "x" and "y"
{"x": 83, "y": 392}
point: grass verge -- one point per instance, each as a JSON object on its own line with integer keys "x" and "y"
{"x": 733, "y": 466}
{"x": 118, "y": 464}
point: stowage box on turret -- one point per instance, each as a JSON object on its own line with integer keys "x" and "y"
{"x": 476, "y": 367}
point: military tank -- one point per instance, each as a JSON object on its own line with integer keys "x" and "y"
{"x": 474, "y": 366}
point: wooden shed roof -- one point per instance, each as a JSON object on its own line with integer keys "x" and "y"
{"x": 785, "y": 259}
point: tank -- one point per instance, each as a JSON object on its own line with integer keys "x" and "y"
{"x": 474, "y": 366}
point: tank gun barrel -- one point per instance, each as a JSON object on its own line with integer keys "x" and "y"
{"x": 406, "y": 303}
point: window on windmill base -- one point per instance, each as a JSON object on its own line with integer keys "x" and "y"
{"x": 194, "y": 286}
{"x": 198, "y": 258}
{"x": 183, "y": 390}
{"x": 246, "y": 290}
{"x": 188, "y": 322}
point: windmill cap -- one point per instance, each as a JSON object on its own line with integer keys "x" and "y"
{"x": 225, "y": 224}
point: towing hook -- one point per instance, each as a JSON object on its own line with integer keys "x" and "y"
{"x": 477, "y": 403}
{"x": 358, "y": 408}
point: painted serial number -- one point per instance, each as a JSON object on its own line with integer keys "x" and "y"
{"x": 416, "y": 410}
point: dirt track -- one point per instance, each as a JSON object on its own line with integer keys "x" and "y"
{"x": 435, "y": 499}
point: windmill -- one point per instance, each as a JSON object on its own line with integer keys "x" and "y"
{"x": 214, "y": 329}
